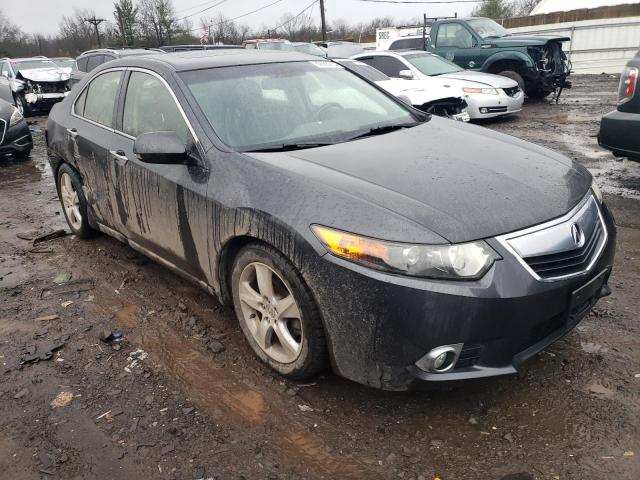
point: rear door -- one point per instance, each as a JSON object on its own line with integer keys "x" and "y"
{"x": 89, "y": 135}
{"x": 159, "y": 200}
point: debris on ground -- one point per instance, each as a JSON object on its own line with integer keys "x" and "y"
{"x": 215, "y": 346}
{"x": 34, "y": 354}
{"x": 62, "y": 278}
{"x": 21, "y": 394}
{"x": 305, "y": 408}
{"x": 68, "y": 288}
{"x": 49, "y": 236}
{"x": 46, "y": 318}
{"x": 66, "y": 304}
{"x": 62, "y": 400}
{"x": 600, "y": 390}
{"x": 134, "y": 359}
{"x": 29, "y": 235}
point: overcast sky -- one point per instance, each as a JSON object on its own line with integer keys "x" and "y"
{"x": 43, "y": 16}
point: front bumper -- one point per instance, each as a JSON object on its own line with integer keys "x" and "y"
{"x": 39, "y": 101}
{"x": 379, "y": 325}
{"x": 490, "y": 106}
{"x": 16, "y": 139}
{"x": 619, "y": 133}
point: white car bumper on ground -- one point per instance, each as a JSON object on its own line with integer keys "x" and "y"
{"x": 506, "y": 102}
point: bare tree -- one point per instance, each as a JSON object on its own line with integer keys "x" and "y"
{"x": 494, "y": 9}
{"x": 522, "y": 8}
{"x": 158, "y": 21}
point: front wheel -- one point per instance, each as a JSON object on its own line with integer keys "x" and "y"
{"x": 277, "y": 312}
{"x": 536, "y": 91}
{"x": 74, "y": 203}
{"x": 514, "y": 76}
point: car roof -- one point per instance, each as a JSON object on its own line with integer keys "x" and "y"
{"x": 122, "y": 52}
{"x": 400, "y": 53}
{"x": 202, "y": 59}
{"x": 25, "y": 59}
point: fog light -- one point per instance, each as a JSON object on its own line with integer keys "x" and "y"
{"x": 484, "y": 110}
{"x": 440, "y": 359}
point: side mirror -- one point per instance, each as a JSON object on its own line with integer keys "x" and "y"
{"x": 406, "y": 74}
{"x": 160, "y": 147}
{"x": 405, "y": 99}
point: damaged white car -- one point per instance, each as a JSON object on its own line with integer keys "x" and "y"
{"x": 37, "y": 83}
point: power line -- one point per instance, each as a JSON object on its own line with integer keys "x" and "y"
{"x": 418, "y": 2}
{"x": 236, "y": 18}
{"x": 95, "y": 22}
{"x": 203, "y": 10}
{"x": 296, "y": 16}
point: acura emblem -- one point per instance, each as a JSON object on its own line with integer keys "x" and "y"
{"x": 577, "y": 235}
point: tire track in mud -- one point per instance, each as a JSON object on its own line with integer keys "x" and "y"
{"x": 224, "y": 398}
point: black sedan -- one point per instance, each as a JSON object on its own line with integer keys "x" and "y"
{"x": 344, "y": 226}
{"x": 620, "y": 129}
{"x": 15, "y": 137}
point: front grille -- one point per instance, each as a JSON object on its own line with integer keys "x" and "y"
{"x": 512, "y": 92}
{"x": 496, "y": 109}
{"x": 570, "y": 262}
{"x": 51, "y": 87}
{"x": 469, "y": 356}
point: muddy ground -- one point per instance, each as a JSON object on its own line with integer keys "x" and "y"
{"x": 165, "y": 402}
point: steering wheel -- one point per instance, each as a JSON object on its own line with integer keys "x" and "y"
{"x": 326, "y": 108}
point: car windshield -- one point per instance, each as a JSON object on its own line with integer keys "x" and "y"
{"x": 255, "y": 107}
{"x": 432, "y": 64}
{"x": 65, "y": 63}
{"x": 30, "y": 64}
{"x": 276, "y": 46}
{"x": 364, "y": 70}
{"x": 311, "y": 49}
{"x": 487, "y": 28}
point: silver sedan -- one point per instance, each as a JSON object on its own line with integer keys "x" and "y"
{"x": 487, "y": 95}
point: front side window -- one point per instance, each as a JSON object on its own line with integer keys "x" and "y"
{"x": 94, "y": 61}
{"x": 432, "y": 64}
{"x": 150, "y": 107}
{"x": 487, "y": 28}
{"x": 364, "y": 70}
{"x": 260, "y": 106}
{"x": 454, "y": 35}
{"x": 100, "y": 98}
{"x": 389, "y": 66}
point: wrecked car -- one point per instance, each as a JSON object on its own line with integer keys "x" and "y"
{"x": 15, "y": 136}
{"x": 36, "y": 83}
{"x": 345, "y": 230}
{"x": 620, "y": 129}
{"x": 427, "y": 96}
{"x": 487, "y": 95}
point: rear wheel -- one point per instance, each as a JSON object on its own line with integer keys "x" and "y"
{"x": 74, "y": 203}
{"x": 277, "y": 312}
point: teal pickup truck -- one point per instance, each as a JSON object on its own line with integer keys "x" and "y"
{"x": 536, "y": 62}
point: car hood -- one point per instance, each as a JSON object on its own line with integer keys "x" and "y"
{"x": 462, "y": 182}
{"x": 421, "y": 91}
{"x": 44, "y": 75}
{"x": 525, "y": 40}
{"x": 496, "y": 81}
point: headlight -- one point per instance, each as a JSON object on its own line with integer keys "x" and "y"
{"x": 465, "y": 261}
{"x": 487, "y": 91}
{"x": 16, "y": 117}
{"x": 596, "y": 191}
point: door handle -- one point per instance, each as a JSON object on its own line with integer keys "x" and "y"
{"x": 119, "y": 155}
{"x": 73, "y": 132}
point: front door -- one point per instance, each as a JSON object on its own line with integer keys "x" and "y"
{"x": 456, "y": 43}
{"x": 164, "y": 205}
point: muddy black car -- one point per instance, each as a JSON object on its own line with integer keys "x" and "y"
{"x": 345, "y": 229}
{"x": 15, "y": 136}
{"x": 620, "y": 129}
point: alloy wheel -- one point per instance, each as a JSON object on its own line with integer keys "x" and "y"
{"x": 270, "y": 312}
{"x": 70, "y": 201}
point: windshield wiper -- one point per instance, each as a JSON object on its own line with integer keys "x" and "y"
{"x": 287, "y": 147}
{"x": 381, "y": 130}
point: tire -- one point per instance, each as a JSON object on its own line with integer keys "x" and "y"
{"x": 22, "y": 155}
{"x": 68, "y": 183}
{"x": 23, "y": 106}
{"x": 514, "y": 76}
{"x": 304, "y": 353}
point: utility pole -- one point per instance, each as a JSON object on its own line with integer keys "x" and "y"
{"x": 323, "y": 22}
{"x": 95, "y": 22}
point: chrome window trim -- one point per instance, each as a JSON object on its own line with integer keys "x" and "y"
{"x": 504, "y": 239}
{"x": 133, "y": 69}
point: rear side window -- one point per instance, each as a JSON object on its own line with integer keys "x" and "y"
{"x": 150, "y": 107}
{"x": 78, "y": 107}
{"x": 94, "y": 61}
{"x": 101, "y": 98}
{"x": 406, "y": 43}
{"x": 81, "y": 64}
